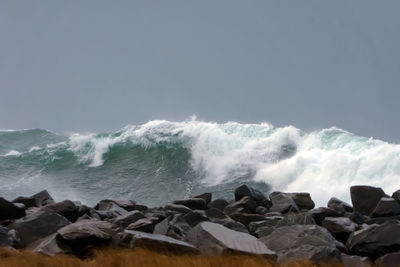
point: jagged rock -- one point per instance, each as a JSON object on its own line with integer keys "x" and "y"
{"x": 303, "y": 201}
{"x": 282, "y": 202}
{"x": 264, "y": 231}
{"x": 261, "y": 210}
{"x": 388, "y": 260}
{"x": 244, "y": 205}
{"x": 375, "y": 240}
{"x": 355, "y": 261}
{"x": 85, "y": 234}
{"x": 177, "y": 208}
{"x": 219, "y": 204}
{"x": 358, "y": 218}
{"x": 365, "y": 198}
{"x": 157, "y": 213}
{"x": 386, "y": 207}
{"x": 268, "y": 221}
{"x": 144, "y": 225}
{"x": 339, "y": 227}
{"x": 192, "y": 203}
{"x": 321, "y": 213}
{"x": 195, "y": 217}
{"x": 38, "y": 225}
{"x": 257, "y": 196}
{"x": 50, "y": 245}
{"x": 339, "y": 205}
{"x": 109, "y": 208}
{"x": 66, "y": 208}
{"x": 131, "y": 217}
{"x": 381, "y": 220}
{"x": 36, "y": 200}
{"x": 206, "y": 196}
{"x": 212, "y": 238}
{"x": 132, "y": 239}
{"x": 396, "y": 195}
{"x": 173, "y": 226}
{"x": 246, "y": 218}
{"x": 9, "y": 210}
{"x": 305, "y": 242}
{"x": 217, "y": 216}
{"x": 303, "y": 218}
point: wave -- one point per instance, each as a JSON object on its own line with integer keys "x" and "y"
{"x": 184, "y": 157}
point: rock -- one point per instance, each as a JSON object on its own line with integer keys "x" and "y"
{"x": 264, "y": 231}
{"x": 174, "y": 226}
{"x": 268, "y": 221}
{"x": 83, "y": 210}
{"x": 195, "y": 217}
{"x": 246, "y": 218}
{"x": 177, "y": 208}
{"x": 132, "y": 239}
{"x": 261, "y": 210}
{"x": 257, "y": 196}
{"x": 339, "y": 227}
{"x": 37, "y": 200}
{"x": 217, "y": 216}
{"x": 339, "y": 205}
{"x": 9, "y": 210}
{"x": 303, "y": 218}
{"x": 212, "y": 238}
{"x": 5, "y": 239}
{"x": 131, "y": 217}
{"x": 50, "y": 245}
{"x": 85, "y": 234}
{"x": 375, "y": 240}
{"x": 352, "y": 261}
{"x": 388, "y": 260}
{"x": 245, "y": 205}
{"x": 282, "y": 202}
{"x": 302, "y": 242}
{"x": 206, "y": 196}
{"x": 28, "y": 202}
{"x": 38, "y": 225}
{"x": 365, "y": 198}
{"x": 358, "y": 218}
{"x": 321, "y": 213}
{"x": 144, "y": 225}
{"x": 386, "y": 207}
{"x": 219, "y": 204}
{"x": 193, "y": 203}
{"x": 303, "y": 201}
{"x": 65, "y": 208}
{"x": 110, "y": 207}
{"x": 396, "y": 195}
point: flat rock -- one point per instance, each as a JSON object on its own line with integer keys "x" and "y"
{"x": 355, "y": 261}
{"x": 365, "y": 198}
{"x": 246, "y": 218}
{"x": 50, "y": 245}
{"x": 212, "y": 238}
{"x": 303, "y": 200}
{"x": 111, "y": 207}
{"x": 37, "y": 226}
{"x": 388, "y": 260}
{"x": 302, "y": 218}
{"x": 173, "y": 226}
{"x": 65, "y": 208}
{"x": 132, "y": 239}
{"x": 268, "y": 221}
{"x": 177, "y": 208}
{"x": 218, "y": 216}
{"x": 321, "y": 213}
{"x": 282, "y": 202}
{"x": 192, "y": 203}
{"x": 206, "y": 196}
{"x": 339, "y": 227}
{"x": 219, "y": 204}
{"x": 386, "y": 207}
{"x": 9, "y": 210}
{"x": 126, "y": 219}
{"x": 339, "y": 205}
{"x": 144, "y": 225}
{"x": 257, "y": 196}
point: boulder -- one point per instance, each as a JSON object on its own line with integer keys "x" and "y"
{"x": 217, "y": 216}
{"x": 144, "y": 225}
{"x": 263, "y": 231}
{"x": 219, "y": 204}
{"x": 261, "y": 210}
{"x": 396, "y": 195}
{"x": 50, "y": 245}
{"x": 268, "y": 221}
{"x": 193, "y": 203}
{"x": 257, "y": 196}
{"x": 132, "y": 239}
{"x": 302, "y": 242}
{"x": 177, "y": 208}
{"x": 303, "y": 218}
{"x": 386, "y": 207}
{"x": 206, "y": 196}
{"x": 131, "y": 217}
{"x": 246, "y": 218}
{"x": 358, "y": 218}
{"x": 339, "y": 205}
{"x": 339, "y": 227}
{"x": 388, "y": 260}
{"x": 109, "y": 208}
{"x": 195, "y": 217}
{"x": 365, "y": 198}
{"x": 282, "y": 202}
{"x": 354, "y": 260}
{"x": 321, "y": 213}
{"x": 9, "y": 210}
{"x": 173, "y": 226}
{"x": 303, "y": 201}
{"x": 66, "y": 208}
{"x": 245, "y": 205}
{"x": 5, "y": 239}
{"x": 212, "y": 238}
{"x": 37, "y": 200}
{"x": 37, "y": 226}
{"x": 375, "y": 240}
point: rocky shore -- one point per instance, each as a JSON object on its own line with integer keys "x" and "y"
{"x": 282, "y": 227}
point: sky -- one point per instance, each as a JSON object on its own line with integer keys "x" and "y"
{"x": 78, "y": 66}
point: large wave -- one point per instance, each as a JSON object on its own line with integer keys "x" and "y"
{"x": 162, "y": 160}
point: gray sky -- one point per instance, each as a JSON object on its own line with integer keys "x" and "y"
{"x": 99, "y": 65}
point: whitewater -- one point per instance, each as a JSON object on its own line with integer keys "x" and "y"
{"x": 160, "y": 161}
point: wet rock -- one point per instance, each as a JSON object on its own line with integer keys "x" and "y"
{"x": 365, "y": 198}
{"x": 132, "y": 239}
{"x": 195, "y": 217}
{"x": 38, "y": 225}
{"x": 389, "y": 260}
{"x": 174, "y": 226}
{"x": 65, "y": 208}
{"x": 206, "y": 196}
{"x": 37, "y": 200}
{"x": 305, "y": 242}
{"x": 177, "y": 208}
{"x": 212, "y": 238}
{"x": 257, "y": 196}
{"x": 339, "y": 205}
{"x": 131, "y": 217}
{"x": 282, "y": 202}
{"x": 219, "y": 204}
{"x": 50, "y": 245}
{"x": 353, "y": 261}
{"x": 144, "y": 225}
{"x": 386, "y": 207}
{"x": 339, "y": 227}
{"x": 321, "y": 213}
{"x": 193, "y": 203}
{"x": 303, "y": 201}
{"x": 9, "y": 210}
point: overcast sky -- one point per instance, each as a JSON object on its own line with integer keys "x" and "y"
{"x": 99, "y": 65}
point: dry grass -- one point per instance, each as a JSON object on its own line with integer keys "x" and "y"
{"x": 136, "y": 257}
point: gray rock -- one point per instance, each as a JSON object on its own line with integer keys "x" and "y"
{"x": 303, "y": 218}
{"x": 36, "y": 200}
{"x": 217, "y": 216}
{"x": 303, "y": 201}
{"x": 246, "y": 218}
{"x": 257, "y": 196}
{"x": 339, "y": 227}
{"x": 132, "y": 239}
{"x": 245, "y": 205}
{"x": 396, "y": 195}
{"x": 389, "y": 260}
{"x": 321, "y": 213}
{"x": 131, "y": 217}
{"x": 212, "y": 238}
{"x": 177, "y": 208}
{"x": 50, "y": 245}
{"x": 268, "y": 221}
{"x": 282, "y": 202}
{"x": 174, "y": 226}
{"x": 5, "y": 239}
{"x": 9, "y": 210}
{"x": 339, "y": 205}
{"x": 195, "y": 217}
{"x": 144, "y": 225}
{"x": 66, "y": 208}
{"x": 264, "y": 231}
{"x": 305, "y": 242}
{"x": 111, "y": 207}
{"x": 261, "y": 210}
{"x": 193, "y": 203}
{"x": 219, "y": 204}
{"x": 206, "y": 196}
{"x": 37, "y": 226}
{"x": 365, "y": 198}
{"x": 386, "y": 207}
{"x": 353, "y": 261}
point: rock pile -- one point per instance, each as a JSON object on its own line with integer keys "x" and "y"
{"x": 282, "y": 227}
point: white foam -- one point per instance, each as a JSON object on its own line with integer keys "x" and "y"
{"x": 13, "y": 153}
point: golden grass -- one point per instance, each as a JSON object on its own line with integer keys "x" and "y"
{"x": 135, "y": 257}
